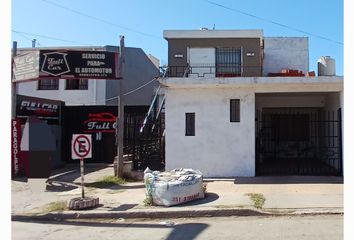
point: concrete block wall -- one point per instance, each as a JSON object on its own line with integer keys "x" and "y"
{"x": 285, "y": 53}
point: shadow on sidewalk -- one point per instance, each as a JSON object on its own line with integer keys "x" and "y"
{"x": 179, "y": 231}
{"x": 71, "y": 172}
{"x": 56, "y": 186}
{"x": 114, "y": 187}
{"x": 209, "y": 197}
{"x": 289, "y": 180}
{"x": 124, "y": 207}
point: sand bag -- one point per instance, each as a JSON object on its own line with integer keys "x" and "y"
{"x": 174, "y": 187}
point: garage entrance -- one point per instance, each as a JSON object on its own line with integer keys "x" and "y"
{"x": 298, "y": 141}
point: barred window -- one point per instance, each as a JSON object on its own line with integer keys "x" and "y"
{"x": 48, "y": 84}
{"x": 234, "y": 110}
{"x": 76, "y": 84}
{"x": 190, "y": 124}
{"x": 228, "y": 62}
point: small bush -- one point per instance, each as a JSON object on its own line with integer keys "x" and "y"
{"x": 205, "y": 186}
{"x": 257, "y": 198}
{"x": 148, "y": 200}
{"x": 58, "y": 206}
{"x": 107, "y": 181}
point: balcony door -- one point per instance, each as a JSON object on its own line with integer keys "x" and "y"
{"x": 201, "y": 62}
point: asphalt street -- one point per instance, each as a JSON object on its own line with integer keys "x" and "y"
{"x": 247, "y": 228}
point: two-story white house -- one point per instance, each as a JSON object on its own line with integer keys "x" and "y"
{"x": 241, "y": 104}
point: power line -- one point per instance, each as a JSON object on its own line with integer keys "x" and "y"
{"x": 127, "y": 93}
{"x": 101, "y": 20}
{"x": 48, "y": 37}
{"x": 24, "y": 36}
{"x": 138, "y": 88}
{"x": 273, "y": 22}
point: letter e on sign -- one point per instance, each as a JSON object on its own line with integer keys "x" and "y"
{"x": 81, "y": 146}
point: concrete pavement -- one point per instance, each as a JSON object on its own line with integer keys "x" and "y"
{"x": 225, "y": 197}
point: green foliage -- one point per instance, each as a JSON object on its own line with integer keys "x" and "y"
{"x": 148, "y": 200}
{"x": 58, "y": 206}
{"x": 205, "y": 186}
{"x": 257, "y": 198}
{"x": 106, "y": 182}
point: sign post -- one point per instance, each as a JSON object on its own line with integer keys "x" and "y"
{"x": 81, "y": 147}
{"x": 82, "y": 177}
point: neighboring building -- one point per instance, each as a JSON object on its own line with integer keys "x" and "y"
{"x": 90, "y": 106}
{"x": 232, "y": 108}
{"x": 138, "y": 70}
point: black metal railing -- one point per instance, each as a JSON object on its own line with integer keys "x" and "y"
{"x": 218, "y": 70}
{"x": 144, "y": 137}
{"x": 296, "y": 142}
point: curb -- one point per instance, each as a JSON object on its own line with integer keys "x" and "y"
{"x": 57, "y": 216}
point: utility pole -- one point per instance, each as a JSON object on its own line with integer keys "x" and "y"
{"x": 13, "y": 83}
{"x": 120, "y": 128}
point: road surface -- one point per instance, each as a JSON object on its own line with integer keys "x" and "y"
{"x": 246, "y": 228}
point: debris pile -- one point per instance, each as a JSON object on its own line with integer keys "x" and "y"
{"x": 174, "y": 187}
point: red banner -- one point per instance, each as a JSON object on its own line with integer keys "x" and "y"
{"x": 15, "y": 146}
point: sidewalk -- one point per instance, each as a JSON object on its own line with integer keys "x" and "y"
{"x": 225, "y": 197}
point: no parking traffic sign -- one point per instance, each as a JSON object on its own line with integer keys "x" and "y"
{"x": 81, "y": 146}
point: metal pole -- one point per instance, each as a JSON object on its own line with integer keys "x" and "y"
{"x": 120, "y": 126}
{"x": 82, "y": 177}
{"x": 13, "y": 84}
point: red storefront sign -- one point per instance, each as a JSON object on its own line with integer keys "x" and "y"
{"x": 15, "y": 146}
{"x": 100, "y": 122}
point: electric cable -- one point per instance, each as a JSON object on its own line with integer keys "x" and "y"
{"x": 101, "y": 20}
{"x": 273, "y": 22}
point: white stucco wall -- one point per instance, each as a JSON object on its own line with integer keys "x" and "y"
{"x": 220, "y": 148}
{"x": 285, "y": 52}
{"x": 95, "y": 95}
{"x": 289, "y": 100}
{"x": 333, "y": 101}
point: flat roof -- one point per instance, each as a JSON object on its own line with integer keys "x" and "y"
{"x": 207, "y": 33}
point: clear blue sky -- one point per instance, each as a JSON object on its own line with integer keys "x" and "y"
{"x": 98, "y": 23}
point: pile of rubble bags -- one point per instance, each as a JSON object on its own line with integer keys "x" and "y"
{"x": 174, "y": 187}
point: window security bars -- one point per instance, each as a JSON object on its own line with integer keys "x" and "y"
{"x": 48, "y": 84}
{"x": 76, "y": 84}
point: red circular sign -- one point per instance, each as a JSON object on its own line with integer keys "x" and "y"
{"x": 85, "y": 151}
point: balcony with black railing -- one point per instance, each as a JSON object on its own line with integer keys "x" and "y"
{"x": 219, "y": 70}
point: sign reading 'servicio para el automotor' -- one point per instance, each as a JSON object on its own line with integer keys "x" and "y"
{"x": 66, "y": 64}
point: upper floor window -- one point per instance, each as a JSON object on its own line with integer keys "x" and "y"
{"x": 228, "y": 62}
{"x": 76, "y": 84}
{"x": 48, "y": 84}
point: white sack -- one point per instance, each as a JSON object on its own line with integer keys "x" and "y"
{"x": 175, "y": 187}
